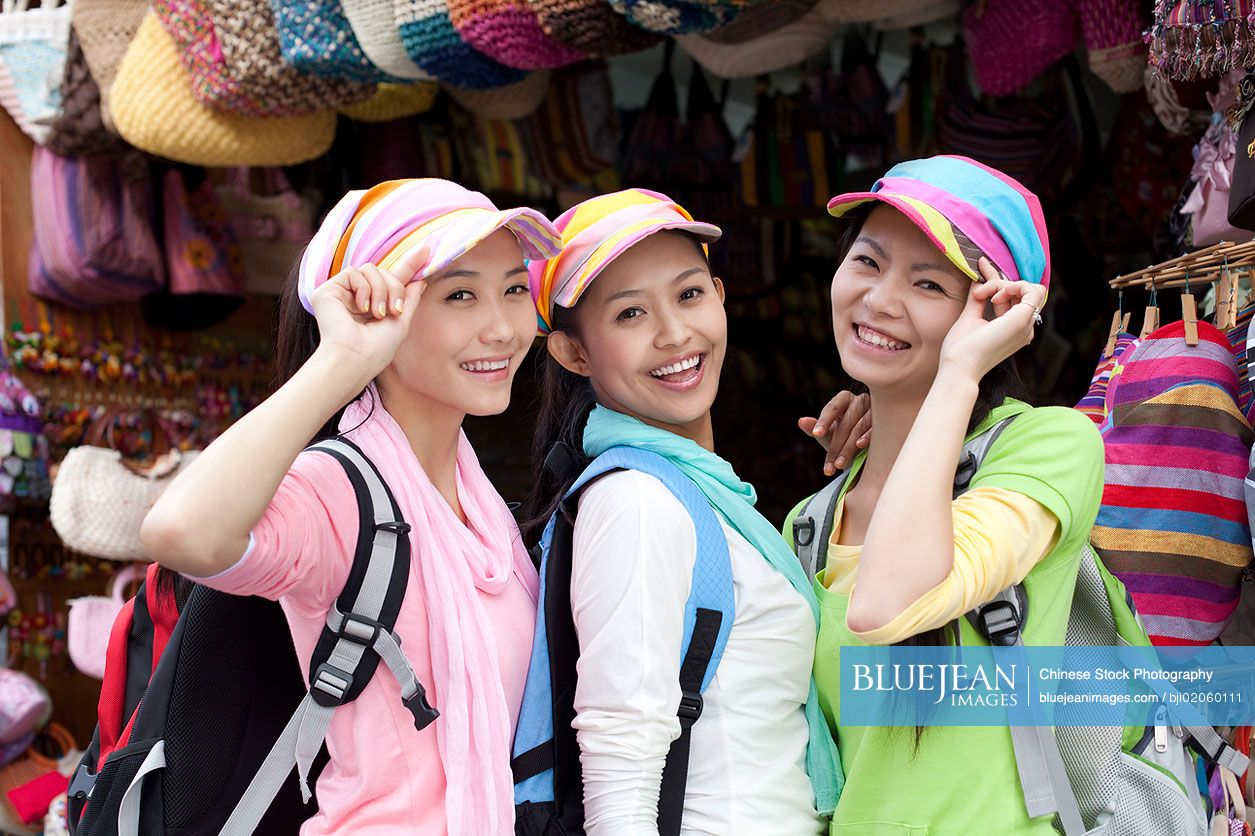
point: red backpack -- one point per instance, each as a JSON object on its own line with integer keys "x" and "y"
{"x": 203, "y": 713}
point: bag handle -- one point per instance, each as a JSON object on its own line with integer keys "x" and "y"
{"x": 128, "y": 575}
{"x": 100, "y": 433}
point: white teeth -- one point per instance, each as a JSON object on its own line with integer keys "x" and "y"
{"x": 486, "y": 365}
{"x": 675, "y": 368}
{"x": 869, "y": 336}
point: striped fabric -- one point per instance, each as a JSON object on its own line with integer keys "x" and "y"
{"x": 1173, "y": 523}
{"x": 595, "y": 233}
{"x": 1094, "y": 403}
{"x": 1239, "y": 339}
{"x": 380, "y": 225}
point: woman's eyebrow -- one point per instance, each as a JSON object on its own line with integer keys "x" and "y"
{"x": 871, "y": 242}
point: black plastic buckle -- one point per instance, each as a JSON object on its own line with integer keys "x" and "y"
{"x": 83, "y": 783}
{"x": 422, "y": 710}
{"x": 803, "y": 532}
{"x": 964, "y": 473}
{"x": 395, "y": 526}
{"x": 1000, "y": 622}
{"x": 359, "y": 629}
{"x": 326, "y": 681}
{"x": 690, "y": 707}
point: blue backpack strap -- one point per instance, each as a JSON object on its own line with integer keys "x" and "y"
{"x": 545, "y": 764}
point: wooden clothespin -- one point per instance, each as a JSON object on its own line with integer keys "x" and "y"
{"x": 1112, "y": 335}
{"x": 1226, "y": 301}
{"x": 1189, "y": 313}
{"x": 1150, "y": 321}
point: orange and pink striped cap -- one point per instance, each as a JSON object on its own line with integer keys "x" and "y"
{"x": 595, "y": 233}
{"x": 380, "y": 225}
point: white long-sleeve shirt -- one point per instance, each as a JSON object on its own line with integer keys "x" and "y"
{"x": 634, "y": 550}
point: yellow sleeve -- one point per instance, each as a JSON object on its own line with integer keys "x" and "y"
{"x": 999, "y": 536}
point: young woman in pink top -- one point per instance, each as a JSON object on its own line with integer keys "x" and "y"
{"x": 411, "y": 311}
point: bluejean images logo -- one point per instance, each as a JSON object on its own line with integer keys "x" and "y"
{"x": 1046, "y": 686}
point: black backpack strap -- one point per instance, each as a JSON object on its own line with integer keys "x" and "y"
{"x": 676, "y": 768}
{"x": 357, "y": 636}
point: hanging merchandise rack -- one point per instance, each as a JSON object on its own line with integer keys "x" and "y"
{"x": 1219, "y": 263}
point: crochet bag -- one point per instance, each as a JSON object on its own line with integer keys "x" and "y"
{"x": 251, "y": 49}
{"x": 100, "y": 500}
{"x": 32, "y": 57}
{"x": 1011, "y": 43}
{"x": 434, "y": 44}
{"x": 273, "y": 224}
{"x": 315, "y": 37}
{"x": 591, "y": 26}
{"x": 213, "y": 85}
{"x": 105, "y": 28}
{"x": 91, "y": 620}
{"x": 677, "y": 17}
{"x": 79, "y": 126}
{"x": 509, "y": 31}
{"x": 93, "y": 242}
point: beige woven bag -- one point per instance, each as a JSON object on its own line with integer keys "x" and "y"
{"x": 99, "y": 500}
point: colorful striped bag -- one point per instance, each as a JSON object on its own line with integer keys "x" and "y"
{"x": 1173, "y": 523}
{"x": 1094, "y": 403}
{"x": 93, "y": 242}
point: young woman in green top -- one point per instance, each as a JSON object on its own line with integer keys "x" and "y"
{"x": 942, "y": 275}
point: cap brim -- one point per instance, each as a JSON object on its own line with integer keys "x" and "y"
{"x": 703, "y": 232}
{"x": 536, "y": 236}
{"x": 843, "y": 204}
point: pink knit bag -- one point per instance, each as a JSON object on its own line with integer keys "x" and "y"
{"x": 23, "y": 705}
{"x": 1012, "y": 42}
{"x": 91, "y": 622}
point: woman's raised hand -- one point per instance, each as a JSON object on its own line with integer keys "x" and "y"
{"x": 364, "y": 312}
{"x": 975, "y": 344}
{"x": 842, "y": 429}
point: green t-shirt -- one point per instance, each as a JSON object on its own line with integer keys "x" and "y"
{"x": 963, "y": 780}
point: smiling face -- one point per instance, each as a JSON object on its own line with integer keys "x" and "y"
{"x": 473, "y": 327}
{"x": 651, "y": 333}
{"x": 894, "y": 298}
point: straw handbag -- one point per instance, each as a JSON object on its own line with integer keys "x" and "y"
{"x": 99, "y": 500}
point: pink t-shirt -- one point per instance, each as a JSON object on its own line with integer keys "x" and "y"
{"x": 384, "y": 777}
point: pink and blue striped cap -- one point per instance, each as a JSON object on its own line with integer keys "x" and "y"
{"x": 381, "y": 224}
{"x": 968, "y": 210}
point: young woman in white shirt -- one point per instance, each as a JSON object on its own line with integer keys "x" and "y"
{"x": 637, "y": 339}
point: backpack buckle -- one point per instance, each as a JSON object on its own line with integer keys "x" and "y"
{"x": 359, "y": 629}
{"x": 803, "y": 532}
{"x": 397, "y": 527}
{"x": 1000, "y": 622}
{"x": 329, "y": 684}
{"x": 690, "y": 708}
{"x": 423, "y": 711}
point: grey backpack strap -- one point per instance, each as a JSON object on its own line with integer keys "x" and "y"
{"x": 812, "y": 527}
{"x": 1043, "y": 776}
{"x": 357, "y": 637}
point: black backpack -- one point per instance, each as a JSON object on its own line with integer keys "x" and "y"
{"x": 202, "y": 710}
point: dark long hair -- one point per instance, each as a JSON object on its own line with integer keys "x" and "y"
{"x": 566, "y": 399}
{"x": 1001, "y": 382}
{"x": 296, "y": 340}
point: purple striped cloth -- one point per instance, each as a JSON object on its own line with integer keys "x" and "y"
{"x": 93, "y": 242}
{"x": 1173, "y": 524}
{"x": 1094, "y": 403}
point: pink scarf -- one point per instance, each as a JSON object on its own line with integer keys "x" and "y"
{"x": 454, "y": 563}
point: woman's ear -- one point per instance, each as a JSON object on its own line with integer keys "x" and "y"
{"x": 719, "y": 289}
{"x": 568, "y": 352}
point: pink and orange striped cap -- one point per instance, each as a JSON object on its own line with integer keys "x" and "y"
{"x": 595, "y": 233}
{"x": 967, "y": 210}
{"x": 380, "y": 225}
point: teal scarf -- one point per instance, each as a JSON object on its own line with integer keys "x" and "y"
{"x": 734, "y": 501}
